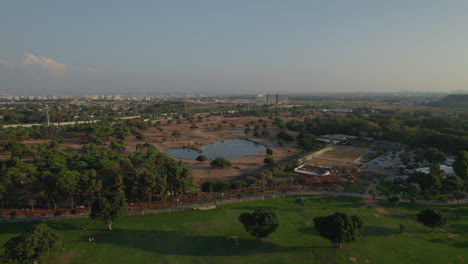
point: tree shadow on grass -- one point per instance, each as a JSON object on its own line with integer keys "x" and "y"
{"x": 372, "y": 231}
{"x": 20, "y": 227}
{"x": 459, "y": 227}
{"x": 463, "y": 244}
{"x": 178, "y": 243}
{"x": 437, "y": 240}
{"x": 308, "y": 230}
{"x": 401, "y": 216}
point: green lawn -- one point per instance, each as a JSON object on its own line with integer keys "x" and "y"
{"x": 201, "y": 236}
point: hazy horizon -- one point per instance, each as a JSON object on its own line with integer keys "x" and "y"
{"x": 233, "y": 47}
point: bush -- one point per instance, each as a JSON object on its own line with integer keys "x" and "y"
{"x": 238, "y": 184}
{"x": 301, "y": 201}
{"x": 269, "y": 151}
{"x": 220, "y": 162}
{"x": 268, "y": 160}
{"x": 221, "y": 186}
{"x": 394, "y": 200}
{"x": 285, "y": 136}
{"x": 208, "y": 186}
{"x": 432, "y": 218}
{"x": 201, "y": 158}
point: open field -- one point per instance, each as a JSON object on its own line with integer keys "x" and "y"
{"x": 203, "y": 236}
{"x": 344, "y": 156}
{"x": 329, "y": 162}
{"x": 207, "y": 132}
{"x": 344, "y": 153}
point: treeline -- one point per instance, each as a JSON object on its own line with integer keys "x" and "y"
{"x": 47, "y": 176}
{"x": 96, "y": 133}
{"x": 417, "y": 129}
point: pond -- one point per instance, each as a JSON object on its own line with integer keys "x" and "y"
{"x": 226, "y": 149}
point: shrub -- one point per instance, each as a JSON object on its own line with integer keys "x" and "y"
{"x": 220, "y": 162}
{"x": 301, "y": 201}
{"x": 201, "y": 158}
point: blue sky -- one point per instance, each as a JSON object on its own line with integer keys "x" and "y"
{"x": 242, "y": 46}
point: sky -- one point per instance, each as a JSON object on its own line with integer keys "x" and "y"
{"x": 232, "y": 47}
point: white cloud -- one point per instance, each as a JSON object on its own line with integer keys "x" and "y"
{"x": 47, "y": 64}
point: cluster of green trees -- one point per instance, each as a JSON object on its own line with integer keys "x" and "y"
{"x": 97, "y": 133}
{"x": 51, "y": 176}
{"x": 100, "y": 132}
{"x": 419, "y": 129}
{"x": 435, "y": 183}
{"x": 35, "y": 132}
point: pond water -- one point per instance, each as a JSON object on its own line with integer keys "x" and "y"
{"x": 226, "y": 149}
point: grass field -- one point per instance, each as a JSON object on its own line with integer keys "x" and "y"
{"x": 344, "y": 153}
{"x": 202, "y": 236}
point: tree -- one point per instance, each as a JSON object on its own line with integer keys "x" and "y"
{"x": 459, "y": 195}
{"x": 269, "y": 151}
{"x": 201, "y": 158}
{"x": 108, "y": 208}
{"x": 460, "y": 166}
{"x": 268, "y": 160}
{"x": 432, "y": 218}
{"x": 34, "y": 245}
{"x": 16, "y": 149}
{"x": 374, "y": 193}
{"x": 285, "y": 136}
{"x": 301, "y": 201}
{"x": 67, "y": 182}
{"x": 117, "y": 145}
{"x": 220, "y": 162}
{"x": 394, "y": 200}
{"x": 259, "y": 224}
{"x": 208, "y": 186}
{"x": 339, "y": 228}
{"x": 434, "y": 155}
{"x": 425, "y": 181}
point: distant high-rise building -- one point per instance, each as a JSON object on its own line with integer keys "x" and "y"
{"x": 273, "y": 99}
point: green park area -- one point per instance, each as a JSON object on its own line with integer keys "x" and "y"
{"x": 390, "y": 234}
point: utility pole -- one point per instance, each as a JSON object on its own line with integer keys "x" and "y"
{"x": 47, "y": 110}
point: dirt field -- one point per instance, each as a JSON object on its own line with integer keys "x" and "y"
{"x": 207, "y": 132}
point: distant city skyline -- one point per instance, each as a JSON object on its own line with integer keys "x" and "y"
{"x": 232, "y": 47}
